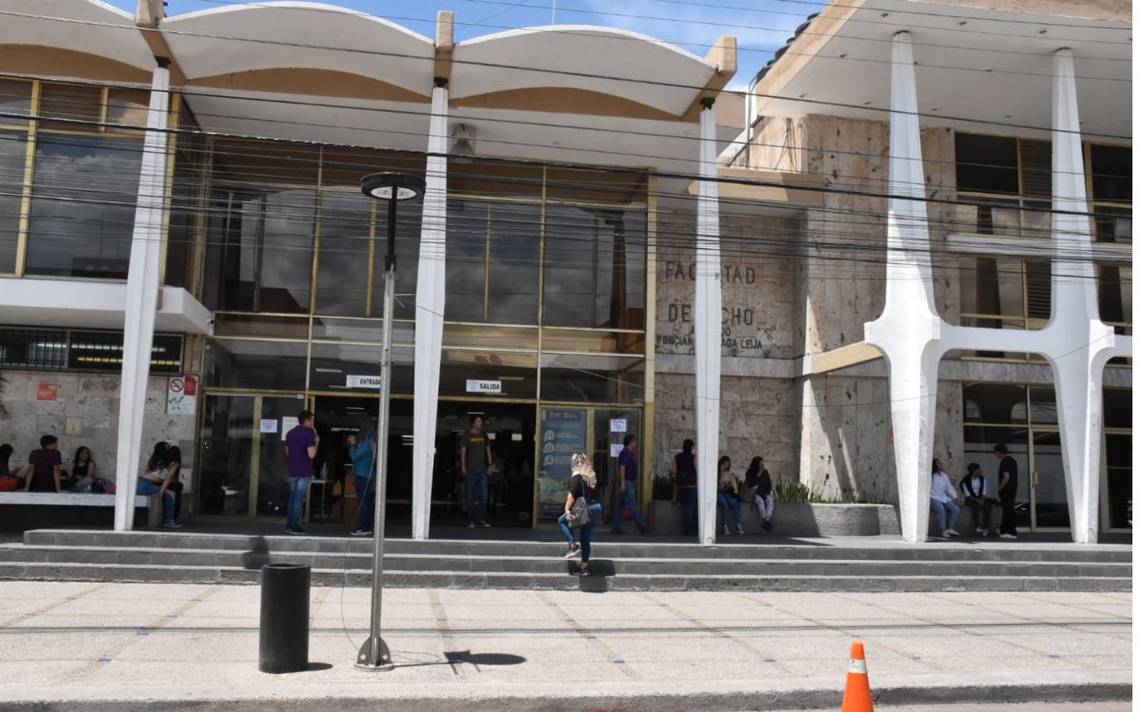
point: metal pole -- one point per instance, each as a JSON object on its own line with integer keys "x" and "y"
{"x": 374, "y": 654}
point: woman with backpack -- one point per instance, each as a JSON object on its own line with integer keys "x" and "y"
{"x": 583, "y": 511}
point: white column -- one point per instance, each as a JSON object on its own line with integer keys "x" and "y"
{"x": 1079, "y": 343}
{"x": 909, "y": 330}
{"x": 707, "y": 328}
{"x": 142, "y": 300}
{"x": 429, "y": 314}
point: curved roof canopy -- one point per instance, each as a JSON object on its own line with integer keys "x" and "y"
{"x": 595, "y": 59}
{"x": 87, "y": 26}
{"x": 299, "y": 35}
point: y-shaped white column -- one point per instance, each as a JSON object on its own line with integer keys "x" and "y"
{"x": 429, "y": 314}
{"x": 909, "y": 330}
{"x": 142, "y": 300}
{"x": 1080, "y": 342}
{"x": 706, "y": 327}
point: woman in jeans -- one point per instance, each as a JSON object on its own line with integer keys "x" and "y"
{"x": 583, "y": 483}
{"x": 362, "y": 451}
{"x": 157, "y": 480}
{"x": 728, "y": 494}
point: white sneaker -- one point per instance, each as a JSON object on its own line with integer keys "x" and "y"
{"x": 726, "y": 530}
{"x": 484, "y": 525}
{"x": 952, "y": 532}
{"x": 1008, "y": 536}
{"x": 360, "y": 532}
{"x": 980, "y": 532}
{"x": 739, "y": 529}
{"x": 171, "y": 525}
{"x": 470, "y": 525}
{"x": 572, "y": 551}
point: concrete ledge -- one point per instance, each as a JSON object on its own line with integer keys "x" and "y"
{"x": 811, "y": 694}
{"x": 21, "y": 511}
{"x": 71, "y": 499}
{"x": 799, "y": 519}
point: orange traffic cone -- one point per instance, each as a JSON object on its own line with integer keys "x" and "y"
{"x": 857, "y": 695}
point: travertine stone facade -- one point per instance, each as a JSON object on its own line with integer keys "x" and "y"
{"x": 85, "y": 412}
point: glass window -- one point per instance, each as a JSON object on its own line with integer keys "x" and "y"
{"x": 992, "y": 286}
{"x": 1113, "y": 224}
{"x": 1037, "y": 168}
{"x": 515, "y": 374}
{"x": 83, "y": 205}
{"x": 1038, "y": 290}
{"x": 1042, "y": 405}
{"x": 467, "y": 226}
{"x": 127, "y": 108}
{"x": 1112, "y": 173}
{"x": 81, "y": 106}
{"x": 356, "y": 367}
{"x": 1114, "y": 295}
{"x": 593, "y": 379}
{"x": 994, "y": 403}
{"x": 342, "y": 271}
{"x": 361, "y": 330}
{"x": 512, "y": 295}
{"x": 273, "y": 365}
{"x": 13, "y": 154}
{"x": 15, "y": 102}
{"x": 1117, "y": 408}
{"x": 185, "y": 210}
{"x": 986, "y": 164}
{"x": 594, "y": 268}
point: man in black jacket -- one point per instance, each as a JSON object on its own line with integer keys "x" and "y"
{"x": 1007, "y": 491}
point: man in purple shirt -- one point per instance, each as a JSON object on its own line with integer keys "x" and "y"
{"x": 627, "y": 484}
{"x": 300, "y": 449}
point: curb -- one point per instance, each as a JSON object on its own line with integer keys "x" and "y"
{"x": 806, "y": 699}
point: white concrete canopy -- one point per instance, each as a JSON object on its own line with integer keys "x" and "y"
{"x": 244, "y": 38}
{"x": 88, "y": 26}
{"x": 35, "y": 301}
{"x": 979, "y": 64}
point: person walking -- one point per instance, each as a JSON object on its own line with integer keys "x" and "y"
{"x": 627, "y": 486}
{"x": 1007, "y": 491}
{"x": 583, "y": 487}
{"x": 728, "y": 494}
{"x": 475, "y": 457}
{"x": 759, "y": 482}
{"x": 362, "y": 450}
{"x": 300, "y": 448}
{"x": 943, "y": 499}
{"x": 973, "y": 489}
{"x": 685, "y": 487}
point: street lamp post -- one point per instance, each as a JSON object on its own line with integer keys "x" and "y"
{"x": 393, "y": 187}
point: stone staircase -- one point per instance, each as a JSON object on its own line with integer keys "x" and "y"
{"x": 843, "y": 565}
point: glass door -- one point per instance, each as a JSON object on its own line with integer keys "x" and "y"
{"x": 226, "y": 446}
{"x": 1118, "y": 486}
{"x": 276, "y": 416}
{"x": 1049, "y": 493}
{"x": 610, "y": 428}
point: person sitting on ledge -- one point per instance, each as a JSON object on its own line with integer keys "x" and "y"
{"x": 943, "y": 498}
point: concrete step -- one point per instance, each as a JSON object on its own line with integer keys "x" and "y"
{"x": 551, "y": 563}
{"x": 562, "y": 580}
{"x": 625, "y": 548}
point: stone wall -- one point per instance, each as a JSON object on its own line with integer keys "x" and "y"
{"x": 758, "y": 416}
{"x": 86, "y": 412}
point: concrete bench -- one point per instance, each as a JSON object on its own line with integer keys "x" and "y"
{"x": 21, "y": 510}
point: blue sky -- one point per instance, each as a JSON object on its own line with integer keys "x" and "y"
{"x": 761, "y": 26}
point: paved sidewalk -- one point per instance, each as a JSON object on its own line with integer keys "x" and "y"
{"x": 503, "y": 650}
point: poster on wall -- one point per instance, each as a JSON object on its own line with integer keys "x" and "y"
{"x": 182, "y": 395}
{"x": 563, "y": 434}
{"x": 47, "y": 391}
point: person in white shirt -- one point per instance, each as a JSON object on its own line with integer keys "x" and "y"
{"x": 943, "y": 500}
{"x": 973, "y": 487}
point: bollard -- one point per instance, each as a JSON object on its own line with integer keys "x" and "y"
{"x": 284, "y": 618}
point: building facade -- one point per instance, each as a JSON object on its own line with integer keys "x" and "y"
{"x": 182, "y": 200}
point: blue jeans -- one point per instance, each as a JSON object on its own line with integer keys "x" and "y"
{"x": 585, "y": 533}
{"x": 688, "y": 499}
{"x": 364, "y": 498}
{"x": 628, "y": 500}
{"x": 476, "y": 485}
{"x": 947, "y": 513}
{"x": 148, "y": 487}
{"x": 298, "y": 490}
{"x": 729, "y": 503}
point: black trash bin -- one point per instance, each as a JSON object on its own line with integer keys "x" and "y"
{"x": 284, "y": 618}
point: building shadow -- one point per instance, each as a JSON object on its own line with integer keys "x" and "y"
{"x": 600, "y": 572}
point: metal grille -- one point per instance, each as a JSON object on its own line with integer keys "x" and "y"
{"x": 81, "y": 350}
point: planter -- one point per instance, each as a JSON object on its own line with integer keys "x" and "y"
{"x": 797, "y": 519}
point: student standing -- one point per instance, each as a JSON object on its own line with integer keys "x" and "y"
{"x": 973, "y": 488}
{"x": 685, "y": 487}
{"x": 44, "y": 466}
{"x": 943, "y": 499}
{"x": 1007, "y": 491}
{"x": 300, "y": 449}
{"x": 627, "y": 486}
{"x": 475, "y": 457}
{"x": 362, "y": 450}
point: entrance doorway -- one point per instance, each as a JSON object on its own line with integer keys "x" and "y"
{"x": 243, "y": 454}
{"x": 510, "y": 429}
